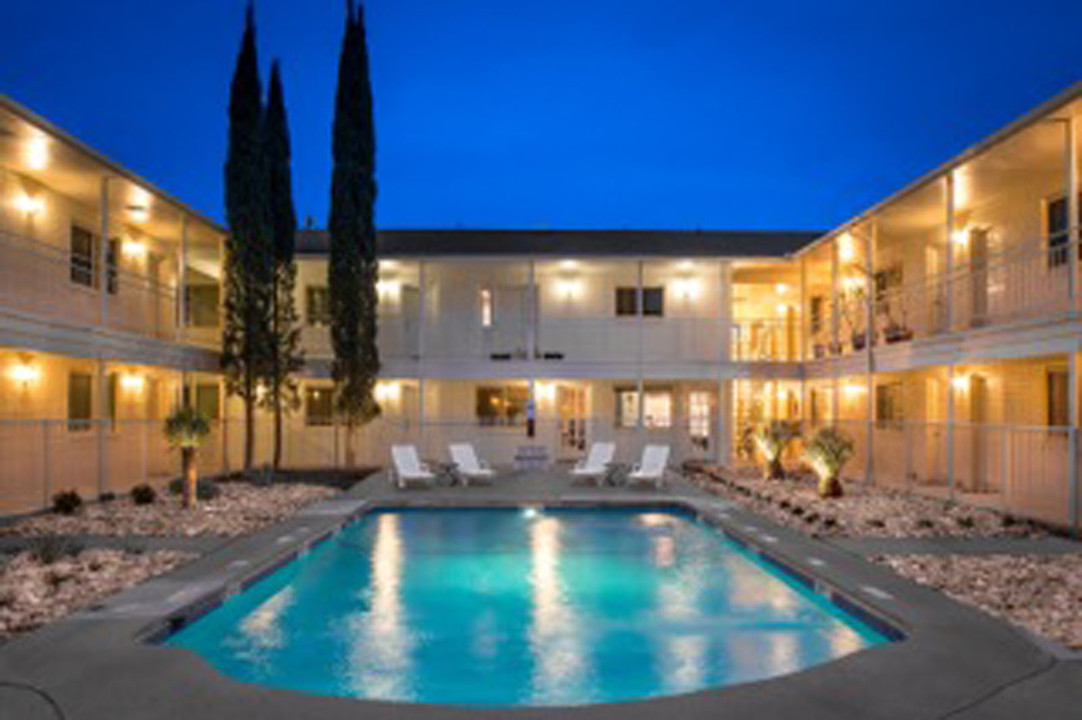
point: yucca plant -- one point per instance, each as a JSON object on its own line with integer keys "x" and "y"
{"x": 827, "y": 453}
{"x": 772, "y": 440}
{"x": 186, "y": 428}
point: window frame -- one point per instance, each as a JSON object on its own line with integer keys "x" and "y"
{"x": 83, "y": 420}
{"x": 317, "y": 314}
{"x": 312, "y": 395}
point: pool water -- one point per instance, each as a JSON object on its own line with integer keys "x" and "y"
{"x": 510, "y": 607}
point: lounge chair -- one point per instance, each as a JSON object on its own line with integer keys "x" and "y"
{"x": 408, "y": 468}
{"x": 597, "y": 463}
{"x": 467, "y": 464}
{"x": 655, "y": 459}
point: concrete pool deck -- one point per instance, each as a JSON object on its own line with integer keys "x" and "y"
{"x": 954, "y": 662}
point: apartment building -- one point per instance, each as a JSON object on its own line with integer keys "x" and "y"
{"x": 939, "y": 329}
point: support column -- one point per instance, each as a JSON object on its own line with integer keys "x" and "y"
{"x": 422, "y": 317}
{"x": 182, "y": 282}
{"x": 869, "y": 330}
{"x": 1072, "y": 444}
{"x": 1070, "y": 162}
{"x": 835, "y": 293}
{"x": 103, "y": 252}
{"x": 103, "y": 369}
{"x": 950, "y": 429}
{"x": 805, "y": 315}
{"x": 948, "y": 284}
{"x": 531, "y": 351}
{"x": 640, "y": 428}
{"x": 725, "y": 311}
{"x": 725, "y": 423}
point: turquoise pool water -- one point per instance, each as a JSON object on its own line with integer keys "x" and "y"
{"x": 509, "y": 607}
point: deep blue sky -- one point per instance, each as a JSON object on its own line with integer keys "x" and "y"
{"x": 563, "y": 113}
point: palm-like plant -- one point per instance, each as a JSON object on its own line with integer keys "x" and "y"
{"x": 186, "y": 428}
{"x": 827, "y": 453}
{"x": 772, "y": 440}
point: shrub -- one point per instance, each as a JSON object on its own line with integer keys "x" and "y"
{"x": 772, "y": 440}
{"x": 143, "y": 495}
{"x": 827, "y": 453}
{"x": 50, "y": 548}
{"x": 205, "y": 489}
{"x": 67, "y": 502}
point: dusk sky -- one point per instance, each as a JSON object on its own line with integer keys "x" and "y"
{"x": 562, "y": 113}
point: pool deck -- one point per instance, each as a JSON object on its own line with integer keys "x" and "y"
{"x": 954, "y": 662}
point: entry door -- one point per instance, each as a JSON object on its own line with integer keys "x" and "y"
{"x": 700, "y": 419}
{"x": 978, "y": 414}
{"x": 572, "y": 405}
{"x": 978, "y": 265}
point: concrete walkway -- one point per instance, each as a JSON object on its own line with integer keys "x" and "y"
{"x": 958, "y": 546}
{"x": 953, "y": 661}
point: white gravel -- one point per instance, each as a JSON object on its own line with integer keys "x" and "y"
{"x": 1039, "y": 592}
{"x": 862, "y": 512}
{"x": 33, "y": 594}
{"x": 241, "y": 508}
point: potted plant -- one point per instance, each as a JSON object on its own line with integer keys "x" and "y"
{"x": 772, "y": 440}
{"x": 186, "y": 428}
{"x": 827, "y": 453}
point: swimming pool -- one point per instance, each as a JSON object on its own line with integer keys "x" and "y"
{"x": 511, "y": 607}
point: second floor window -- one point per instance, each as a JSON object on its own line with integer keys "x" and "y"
{"x": 486, "y": 307}
{"x": 653, "y": 301}
{"x": 318, "y": 407}
{"x": 85, "y": 252}
{"x": 1056, "y": 226}
{"x": 318, "y": 306}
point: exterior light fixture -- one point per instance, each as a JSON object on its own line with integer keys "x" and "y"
{"x": 134, "y": 248}
{"x": 24, "y": 373}
{"x": 37, "y": 153}
{"x": 845, "y": 248}
{"x": 783, "y": 309}
{"x": 568, "y": 288}
{"x": 687, "y": 288}
{"x": 960, "y": 237}
{"x": 132, "y": 382}
{"x": 546, "y": 391}
{"x": 781, "y": 288}
{"x": 138, "y": 213}
{"x": 29, "y": 205}
{"x": 855, "y": 389}
{"x": 960, "y": 382}
{"x": 387, "y": 287}
{"x": 387, "y": 391}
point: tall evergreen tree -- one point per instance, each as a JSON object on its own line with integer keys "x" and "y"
{"x": 353, "y": 273}
{"x": 249, "y": 264}
{"x": 286, "y": 357}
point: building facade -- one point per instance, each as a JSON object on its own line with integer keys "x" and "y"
{"x": 939, "y": 329}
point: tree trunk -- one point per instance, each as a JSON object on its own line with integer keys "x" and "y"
{"x": 249, "y": 430}
{"x": 774, "y": 470}
{"x": 190, "y": 481}
{"x": 830, "y": 487}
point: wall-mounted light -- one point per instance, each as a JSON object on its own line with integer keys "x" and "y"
{"x": 388, "y": 288}
{"x": 852, "y": 284}
{"x": 546, "y": 392}
{"x": 855, "y": 389}
{"x": 846, "y": 253}
{"x": 687, "y": 288}
{"x": 781, "y": 288}
{"x": 29, "y": 205}
{"x": 131, "y": 382}
{"x": 388, "y": 391}
{"x": 134, "y": 249}
{"x": 783, "y": 309}
{"x": 24, "y": 373}
{"x": 960, "y": 237}
{"x": 568, "y": 264}
{"x": 568, "y": 288}
{"x": 138, "y": 213}
{"x": 960, "y": 382}
{"x": 37, "y": 153}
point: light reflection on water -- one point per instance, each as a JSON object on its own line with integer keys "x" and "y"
{"x": 488, "y": 607}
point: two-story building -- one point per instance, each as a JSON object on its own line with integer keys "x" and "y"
{"x": 939, "y": 329}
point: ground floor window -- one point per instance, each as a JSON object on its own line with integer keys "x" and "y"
{"x": 657, "y": 409}
{"x": 207, "y": 401}
{"x": 318, "y": 407}
{"x": 699, "y": 418}
{"x": 502, "y": 405}
{"x": 889, "y": 403}
{"x": 1059, "y": 413}
{"x": 80, "y": 401}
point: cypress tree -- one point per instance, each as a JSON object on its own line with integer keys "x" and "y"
{"x": 352, "y": 273}
{"x": 248, "y": 262}
{"x": 286, "y": 356}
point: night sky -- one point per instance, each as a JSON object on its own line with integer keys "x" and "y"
{"x": 562, "y": 113}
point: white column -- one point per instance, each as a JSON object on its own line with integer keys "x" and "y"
{"x": 805, "y": 315}
{"x": 948, "y": 288}
{"x": 835, "y": 321}
{"x": 725, "y": 423}
{"x": 103, "y": 251}
{"x": 182, "y": 282}
{"x": 103, "y": 370}
{"x": 639, "y": 426}
{"x": 1072, "y": 444}
{"x": 422, "y": 316}
{"x": 725, "y": 311}
{"x": 950, "y": 429}
{"x": 1070, "y": 161}
{"x": 869, "y": 327}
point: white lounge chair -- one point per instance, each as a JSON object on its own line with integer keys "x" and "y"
{"x": 408, "y": 468}
{"x": 655, "y": 459}
{"x": 467, "y": 464}
{"x": 597, "y": 462}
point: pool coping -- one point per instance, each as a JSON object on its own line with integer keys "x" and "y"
{"x": 99, "y": 663}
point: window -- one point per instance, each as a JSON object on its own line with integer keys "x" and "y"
{"x": 80, "y": 401}
{"x": 486, "y": 307}
{"x": 318, "y": 308}
{"x": 201, "y": 305}
{"x": 503, "y": 405}
{"x": 653, "y": 301}
{"x": 656, "y": 409}
{"x": 206, "y": 401}
{"x": 816, "y": 313}
{"x": 318, "y": 406}
{"x": 85, "y": 248}
{"x": 886, "y": 283}
{"x": 110, "y": 397}
{"x": 889, "y": 403}
{"x": 1056, "y": 225}
{"x": 1059, "y": 413}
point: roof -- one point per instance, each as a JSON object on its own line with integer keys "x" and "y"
{"x": 575, "y": 243}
